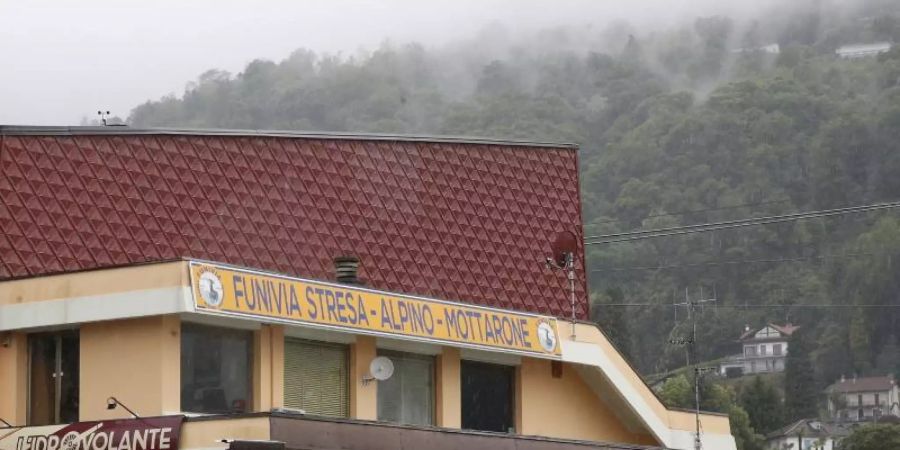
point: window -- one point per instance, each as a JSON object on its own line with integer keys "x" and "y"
{"x": 53, "y": 378}
{"x": 215, "y": 369}
{"x": 316, "y": 377}
{"x": 776, "y": 349}
{"x": 487, "y": 396}
{"x": 751, "y": 351}
{"x": 859, "y": 414}
{"x": 876, "y": 400}
{"x": 859, "y": 400}
{"x": 408, "y": 395}
{"x": 762, "y": 350}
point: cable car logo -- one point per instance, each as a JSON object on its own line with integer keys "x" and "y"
{"x": 210, "y": 286}
{"x": 546, "y": 336}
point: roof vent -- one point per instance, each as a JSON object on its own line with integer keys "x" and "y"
{"x": 346, "y": 269}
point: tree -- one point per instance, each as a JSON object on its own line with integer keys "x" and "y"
{"x": 678, "y": 392}
{"x": 800, "y": 393}
{"x": 763, "y": 405}
{"x": 873, "y": 437}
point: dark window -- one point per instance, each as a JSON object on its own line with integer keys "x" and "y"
{"x": 876, "y": 400}
{"x": 53, "y": 378}
{"x": 487, "y": 396}
{"x": 215, "y": 369}
{"x": 408, "y": 395}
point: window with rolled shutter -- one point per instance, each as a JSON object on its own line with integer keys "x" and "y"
{"x": 316, "y": 377}
{"x": 408, "y": 395}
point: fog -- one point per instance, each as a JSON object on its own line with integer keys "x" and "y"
{"x": 62, "y": 61}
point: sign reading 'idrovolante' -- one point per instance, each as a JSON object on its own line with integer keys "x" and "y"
{"x": 146, "y": 433}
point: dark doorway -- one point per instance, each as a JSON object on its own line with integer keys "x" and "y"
{"x": 53, "y": 378}
{"x": 487, "y": 397}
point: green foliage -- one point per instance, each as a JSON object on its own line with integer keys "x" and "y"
{"x": 677, "y": 392}
{"x": 763, "y": 404}
{"x": 873, "y": 437}
{"x": 801, "y": 395}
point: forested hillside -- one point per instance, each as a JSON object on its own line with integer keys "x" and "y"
{"x": 693, "y": 123}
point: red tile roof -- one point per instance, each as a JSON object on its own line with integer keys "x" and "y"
{"x": 444, "y": 218}
{"x": 786, "y": 330}
{"x": 864, "y": 384}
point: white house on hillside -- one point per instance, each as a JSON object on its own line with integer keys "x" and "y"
{"x": 859, "y": 399}
{"x": 807, "y": 434}
{"x": 863, "y": 50}
{"x": 765, "y": 349}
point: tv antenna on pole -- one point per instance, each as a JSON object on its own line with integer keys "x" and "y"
{"x": 691, "y": 343}
{"x": 563, "y": 247}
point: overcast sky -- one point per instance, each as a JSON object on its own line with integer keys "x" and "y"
{"x": 63, "y": 60}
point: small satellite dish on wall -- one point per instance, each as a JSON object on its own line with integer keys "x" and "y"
{"x": 381, "y": 368}
{"x": 563, "y": 247}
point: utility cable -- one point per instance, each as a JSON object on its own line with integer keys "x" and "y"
{"x": 733, "y": 261}
{"x": 707, "y": 227}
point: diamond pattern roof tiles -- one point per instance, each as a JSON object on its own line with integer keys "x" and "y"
{"x": 461, "y": 221}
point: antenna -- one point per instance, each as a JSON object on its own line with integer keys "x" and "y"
{"x": 692, "y": 306}
{"x": 563, "y": 249}
{"x": 381, "y": 368}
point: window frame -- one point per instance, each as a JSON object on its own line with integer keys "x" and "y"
{"x": 347, "y": 357}
{"x": 251, "y": 377}
{"x": 394, "y": 355}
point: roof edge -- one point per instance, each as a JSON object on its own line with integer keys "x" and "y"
{"x": 45, "y": 130}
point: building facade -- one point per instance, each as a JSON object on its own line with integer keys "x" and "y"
{"x": 205, "y": 276}
{"x": 863, "y": 399}
{"x": 765, "y": 349}
{"x": 856, "y": 51}
{"x": 807, "y": 434}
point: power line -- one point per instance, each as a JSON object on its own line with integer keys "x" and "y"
{"x": 693, "y": 211}
{"x": 734, "y": 261}
{"x": 707, "y": 227}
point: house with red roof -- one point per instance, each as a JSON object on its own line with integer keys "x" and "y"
{"x": 765, "y": 348}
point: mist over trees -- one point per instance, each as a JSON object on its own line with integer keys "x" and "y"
{"x": 694, "y": 123}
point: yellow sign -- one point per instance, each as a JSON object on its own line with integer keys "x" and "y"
{"x": 231, "y": 291}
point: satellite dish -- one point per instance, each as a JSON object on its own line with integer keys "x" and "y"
{"x": 563, "y": 244}
{"x": 381, "y": 368}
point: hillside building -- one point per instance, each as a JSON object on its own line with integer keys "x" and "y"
{"x": 863, "y": 399}
{"x": 855, "y": 51}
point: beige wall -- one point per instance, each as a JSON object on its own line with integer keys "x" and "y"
{"x": 137, "y": 361}
{"x": 711, "y": 423}
{"x": 207, "y": 434}
{"x": 448, "y": 394}
{"x": 13, "y": 377}
{"x": 95, "y": 282}
{"x": 566, "y": 407}
{"x": 363, "y": 396}
{"x": 268, "y": 368}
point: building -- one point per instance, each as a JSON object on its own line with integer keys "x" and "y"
{"x": 316, "y": 290}
{"x": 863, "y": 399}
{"x": 807, "y": 434}
{"x": 765, "y": 349}
{"x": 855, "y": 51}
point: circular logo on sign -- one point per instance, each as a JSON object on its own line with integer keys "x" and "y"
{"x": 211, "y": 289}
{"x": 546, "y": 336}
